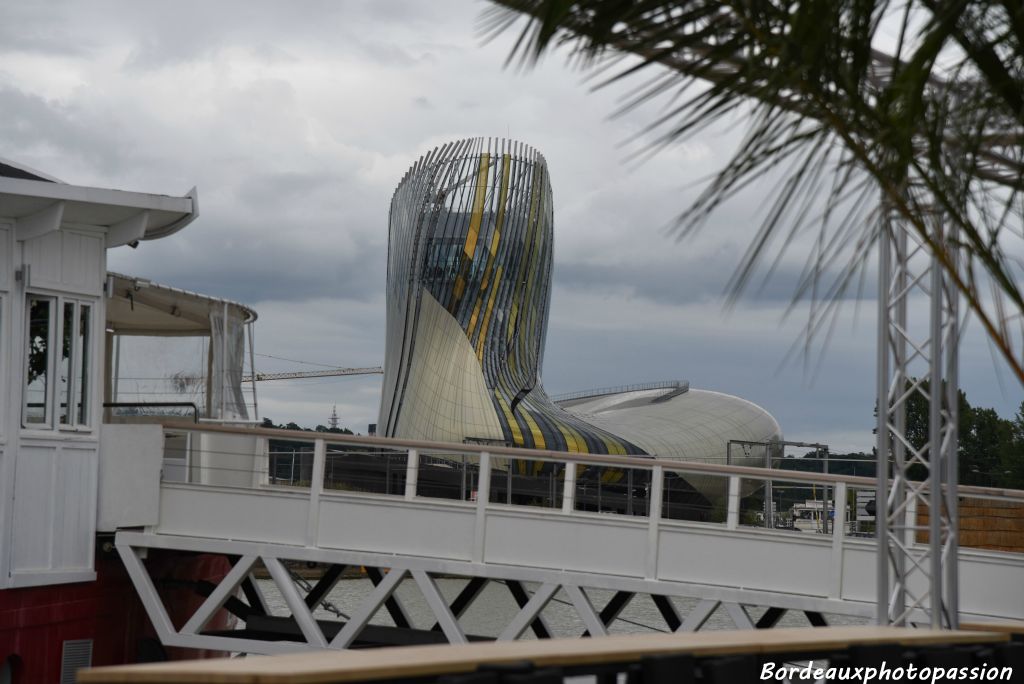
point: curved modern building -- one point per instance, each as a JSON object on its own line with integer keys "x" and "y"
{"x": 468, "y": 297}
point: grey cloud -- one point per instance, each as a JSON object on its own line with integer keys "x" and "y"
{"x": 271, "y": 53}
{"x": 695, "y": 278}
{"x": 38, "y": 28}
{"x": 154, "y": 52}
{"x": 195, "y": 30}
{"x": 32, "y": 121}
{"x": 251, "y": 269}
{"x": 838, "y": 399}
{"x": 279, "y": 189}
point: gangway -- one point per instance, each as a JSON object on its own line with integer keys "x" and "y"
{"x": 465, "y": 511}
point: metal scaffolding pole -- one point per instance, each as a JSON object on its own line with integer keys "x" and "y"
{"x": 917, "y": 474}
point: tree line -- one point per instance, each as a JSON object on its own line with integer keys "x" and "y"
{"x": 991, "y": 448}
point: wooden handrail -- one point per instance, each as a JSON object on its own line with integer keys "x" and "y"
{"x": 406, "y": 662}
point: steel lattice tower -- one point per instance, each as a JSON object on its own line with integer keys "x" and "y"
{"x": 916, "y": 358}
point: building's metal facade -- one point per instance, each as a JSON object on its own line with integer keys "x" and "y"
{"x": 468, "y": 295}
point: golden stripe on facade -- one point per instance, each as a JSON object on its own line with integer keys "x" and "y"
{"x": 479, "y": 197}
{"x": 574, "y": 441}
{"x": 487, "y": 315}
{"x": 531, "y": 223}
{"x": 538, "y": 436}
{"x": 513, "y": 426}
{"x": 475, "y": 336}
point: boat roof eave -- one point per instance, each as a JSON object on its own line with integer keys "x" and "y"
{"x": 154, "y": 216}
{"x": 175, "y": 226}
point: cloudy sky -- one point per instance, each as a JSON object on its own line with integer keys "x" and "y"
{"x": 296, "y": 121}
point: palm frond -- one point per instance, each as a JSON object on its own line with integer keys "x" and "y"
{"x": 936, "y": 126}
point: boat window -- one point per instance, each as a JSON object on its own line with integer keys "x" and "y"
{"x": 74, "y": 364}
{"x": 58, "y": 377}
{"x": 82, "y": 357}
{"x": 64, "y": 376}
{"x": 38, "y": 361}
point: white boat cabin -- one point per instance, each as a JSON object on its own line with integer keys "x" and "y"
{"x": 65, "y": 323}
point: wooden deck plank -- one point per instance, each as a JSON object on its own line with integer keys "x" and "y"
{"x": 1006, "y": 627}
{"x": 325, "y": 667}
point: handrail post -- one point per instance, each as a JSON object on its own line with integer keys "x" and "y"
{"x": 732, "y": 516}
{"x": 911, "y": 517}
{"x": 412, "y": 473}
{"x": 769, "y": 496}
{"x": 483, "y": 496}
{"x": 653, "y": 520}
{"x": 569, "y": 488}
{"x": 316, "y": 487}
{"x": 838, "y": 534}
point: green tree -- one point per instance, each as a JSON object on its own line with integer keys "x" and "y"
{"x": 984, "y": 448}
{"x": 990, "y": 451}
{"x": 1013, "y": 457}
{"x": 1017, "y": 428}
{"x": 935, "y": 125}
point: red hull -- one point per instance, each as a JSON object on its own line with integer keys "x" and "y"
{"x": 36, "y": 621}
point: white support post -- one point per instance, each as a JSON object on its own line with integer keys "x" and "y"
{"x": 732, "y": 519}
{"x": 838, "y": 534}
{"x": 316, "y": 487}
{"x": 412, "y": 474}
{"x": 739, "y": 615}
{"x": 483, "y": 495}
{"x": 151, "y": 600}
{"x": 258, "y": 595}
{"x": 569, "y": 488}
{"x": 910, "y": 532}
{"x": 699, "y": 614}
{"x": 448, "y": 622}
{"x": 219, "y": 595}
{"x": 529, "y": 612}
{"x": 585, "y": 610}
{"x": 653, "y": 520}
{"x": 261, "y": 463}
{"x": 224, "y": 362}
{"x": 300, "y": 611}
{"x": 366, "y": 610}
{"x": 252, "y": 370}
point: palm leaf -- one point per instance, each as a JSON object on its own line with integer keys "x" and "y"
{"x": 934, "y": 127}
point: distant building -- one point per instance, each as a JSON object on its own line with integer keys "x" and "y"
{"x": 468, "y": 297}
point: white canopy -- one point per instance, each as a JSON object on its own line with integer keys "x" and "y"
{"x": 140, "y": 307}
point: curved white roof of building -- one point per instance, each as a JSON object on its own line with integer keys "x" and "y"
{"x": 695, "y": 425}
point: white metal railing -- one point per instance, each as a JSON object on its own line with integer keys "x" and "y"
{"x": 656, "y": 489}
{"x": 536, "y": 516}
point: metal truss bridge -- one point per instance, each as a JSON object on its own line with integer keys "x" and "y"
{"x": 593, "y": 532}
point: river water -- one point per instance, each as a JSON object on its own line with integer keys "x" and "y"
{"x": 495, "y": 607}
